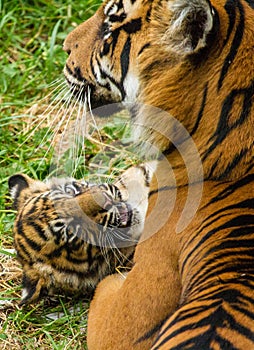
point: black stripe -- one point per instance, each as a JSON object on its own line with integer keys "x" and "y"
{"x": 105, "y": 49}
{"x": 236, "y": 41}
{"x": 235, "y": 222}
{"x": 125, "y": 58}
{"x": 32, "y": 244}
{"x": 56, "y": 253}
{"x": 231, "y": 188}
{"x": 233, "y": 164}
{"x": 231, "y": 11}
{"x": 217, "y": 318}
{"x": 89, "y": 273}
{"x": 250, "y": 3}
{"x": 245, "y": 311}
{"x": 143, "y": 48}
{"x": 117, "y": 18}
{"x": 105, "y": 75}
{"x": 201, "y": 111}
{"x": 39, "y": 230}
{"x": 77, "y": 74}
{"x": 213, "y": 167}
{"x": 133, "y": 26}
{"x": 161, "y": 189}
{"x": 224, "y": 126}
{"x": 152, "y": 332}
{"x": 232, "y": 262}
{"x": 248, "y": 203}
{"x": 22, "y": 252}
{"x": 68, "y": 69}
{"x": 90, "y": 259}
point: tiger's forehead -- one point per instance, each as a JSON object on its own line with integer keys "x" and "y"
{"x": 113, "y": 7}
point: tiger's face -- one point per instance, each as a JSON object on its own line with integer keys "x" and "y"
{"x": 192, "y": 60}
{"x": 70, "y": 234}
{"x": 103, "y": 53}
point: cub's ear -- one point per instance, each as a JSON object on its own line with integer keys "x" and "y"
{"x": 17, "y": 183}
{"x": 188, "y": 24}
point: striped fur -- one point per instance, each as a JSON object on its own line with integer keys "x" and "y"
{"x": 70, "y": 234}
{"x": 193, "y": 61}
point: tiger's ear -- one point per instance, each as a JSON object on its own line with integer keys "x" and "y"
{"x": 188, "y": 24}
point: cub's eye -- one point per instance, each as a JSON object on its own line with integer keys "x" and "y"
{"x": 75, "y": 188}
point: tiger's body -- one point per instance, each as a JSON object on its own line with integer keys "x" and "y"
{"x": 193, "y": 62}
{"x": 70, "y": 234}
{"x": 190, "y": 62}
{"x": 188, "y": 290}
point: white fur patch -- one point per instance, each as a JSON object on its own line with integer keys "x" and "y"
{"x": 24, "y": 294}
{"x": 131, "y": 87}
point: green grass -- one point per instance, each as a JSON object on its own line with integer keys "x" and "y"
{"x": 31, "y": 58}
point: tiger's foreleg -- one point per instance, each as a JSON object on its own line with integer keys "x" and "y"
{"x": 127, "y": 313}
{"x": 124, "y": 315}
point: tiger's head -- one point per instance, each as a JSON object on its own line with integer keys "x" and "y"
{"x": 191, "y": 59}
{"x": 70, "y": 234}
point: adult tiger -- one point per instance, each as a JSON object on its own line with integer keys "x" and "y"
{"x": 69, "y": 234}
{"x": 194, "y": 61}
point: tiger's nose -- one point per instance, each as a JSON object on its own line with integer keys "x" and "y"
{"x": 85, "y": 34}
{"x": 70, "y": 45}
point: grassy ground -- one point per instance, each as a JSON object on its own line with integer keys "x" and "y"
{"x": 31, "y": 58}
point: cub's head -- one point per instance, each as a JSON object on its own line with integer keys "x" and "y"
{"x": 69, "y": 234}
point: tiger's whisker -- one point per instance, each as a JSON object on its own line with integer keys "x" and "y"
{"x": 71, "y": 143}
{"x": 64, "y": 108}
{"x": 42, "y": 116}
{"x": 81, "y": 123}
{"x": 56, "y": 117}
{"x": 78, "y": 128}
{"x": 91, "y": 113}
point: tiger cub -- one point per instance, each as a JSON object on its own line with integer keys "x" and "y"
{"x": 69, "y": 234}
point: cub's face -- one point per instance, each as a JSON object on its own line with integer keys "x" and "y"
{"x": 69, "y": 234}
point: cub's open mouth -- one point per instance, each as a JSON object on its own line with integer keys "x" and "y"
{"x": 125, "y": 214}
